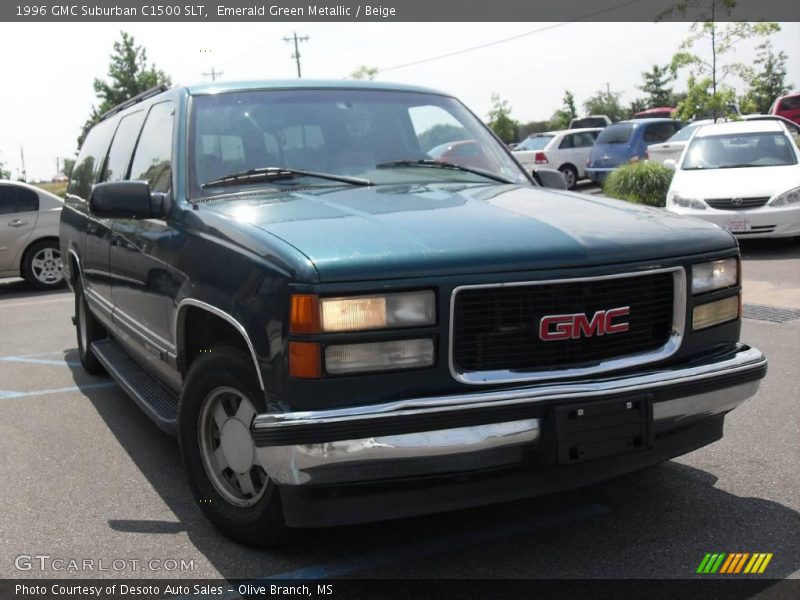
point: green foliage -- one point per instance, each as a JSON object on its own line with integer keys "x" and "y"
{"x": 68, "y": 165}
{"x": 702, "y": 102}
{"x": 364, "y": 72}
{"x": 500, "y": 120}
{"x": 441, "y": 134}
{"x": 636, "y": 106}
{"x": 640, "y": 183}
{"x": 605, "y": 102}
{"x": 766, "y": 79}
{"x": 4, "y": 173}
{"x": 526, "y": 129}
{"x": 567, "y": 112}
{"x": 129, "y": 74}
{"x": 655, "y": 85}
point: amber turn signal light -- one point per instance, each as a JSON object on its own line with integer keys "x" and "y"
{"x": 304, "y": 360}
{"x": 304, "y": 314}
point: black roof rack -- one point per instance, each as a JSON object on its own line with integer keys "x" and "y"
{"x": 153, "y": 91}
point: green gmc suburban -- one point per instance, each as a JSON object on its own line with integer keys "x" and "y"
{"x": 350, "y": 303}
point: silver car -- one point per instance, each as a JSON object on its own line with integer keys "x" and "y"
{"x": 29, "y": 219}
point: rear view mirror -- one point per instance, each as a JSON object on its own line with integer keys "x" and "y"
{"x": 550, "y": 178}
{"x": 670, "y": 164}
{"x": 125, "y": 200}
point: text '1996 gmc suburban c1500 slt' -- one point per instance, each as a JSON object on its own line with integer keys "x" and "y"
{"x": 340, "y": 328}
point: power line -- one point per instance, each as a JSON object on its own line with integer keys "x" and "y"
{"x": 296, "y": 54}
{"x": 213, "y": 73}
{"x": 511, "y": 38}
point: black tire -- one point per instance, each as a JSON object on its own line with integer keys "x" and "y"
{"x": 261, "y": 523}
{"x": 40, "y": 271}
{"x": 570, "y": 174}
{"x": 88, "y": 330}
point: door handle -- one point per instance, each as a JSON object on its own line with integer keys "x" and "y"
{"x": 17, "y": 223}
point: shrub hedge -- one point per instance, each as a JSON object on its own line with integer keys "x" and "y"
{"x": 640, "y": 182}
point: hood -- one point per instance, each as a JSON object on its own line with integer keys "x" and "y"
{"x": 752, "y": 182}
{"x": 400, "y": 231}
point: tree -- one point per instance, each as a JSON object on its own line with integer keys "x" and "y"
{"x": 767, "y": 80}
{"x": 129, "y": 74}
{"x": 655, "y": 86}
{"x": 500, "y": 120}
{"x": 567, "y": 112}
{"x": 441, "y": 134}
{"x": 67, "y": 166}
{"x": 605, "y": 102}
{"x": 4, "y": 173}
{"x": 636, "y": 106}
{"x": 364, "y": 72}
{"x": 710, "y": 73}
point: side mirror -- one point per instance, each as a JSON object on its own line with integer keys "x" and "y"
{"x": 670, "y": 164}
{"x": 550, "y": 178}
{"x": 125, "y": 200}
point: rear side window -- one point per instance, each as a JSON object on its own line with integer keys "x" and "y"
{"x": 659, "y": 132}
{"x": 567, "y": 143}
{"x": 90, "y": 157}
{"x": 790, "y": 103}
{"x": 619, "y": 133}
{"x": 584, "y": 139}
{"x": 119, "y": 156}
{"x": 535, "y": 143}
{"x": 14, "y": 199}
{"x": 152, "y": 160}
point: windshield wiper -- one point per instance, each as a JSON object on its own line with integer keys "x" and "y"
{"x": 276, "y": 174}
{"x": 436, "y": 164}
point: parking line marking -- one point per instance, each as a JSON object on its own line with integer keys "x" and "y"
{"x": 40, "y": 361}
{"x": 16, "y": 304}
{"x": 11, "y": 394}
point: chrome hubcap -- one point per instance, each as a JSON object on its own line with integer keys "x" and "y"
{"x": 47, "y": 265}
{"x": 569, "y": 177}
{"x": 227, "y": 447}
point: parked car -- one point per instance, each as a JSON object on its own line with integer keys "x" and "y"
{"x": 661, "y": 112}
{"x": 565, "y": 150}
{"x": 794, "y": 128}
{"x": 787, "y": 107}
{"x": 743, "y": 176}
{"x": 626, "y": 142}
{"x": 339, "y": 328}
{"x": 29, "y": 247}
{"x": 590, "y": 121}
{"x": 673, "y": 147}
{"x": 465, "y": 152}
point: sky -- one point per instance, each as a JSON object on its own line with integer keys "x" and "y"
{"x": 48, "y": 68}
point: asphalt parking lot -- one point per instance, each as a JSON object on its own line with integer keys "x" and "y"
{"x": 86, "y": 475}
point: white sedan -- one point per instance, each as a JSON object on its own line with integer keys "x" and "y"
{"x": 743, "y": 176}
{"x": 566, "y": 150}
{"x": 29, "y": 219}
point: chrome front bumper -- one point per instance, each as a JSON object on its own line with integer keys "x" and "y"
{"x": 465, "y": 432}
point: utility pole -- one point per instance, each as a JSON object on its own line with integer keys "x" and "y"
{"x": 296, "y": 55}
{"x": 22, "y": 158}
{"x": 213, "y": 74}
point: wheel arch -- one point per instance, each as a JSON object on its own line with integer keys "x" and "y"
{"x": 208, "y": 324}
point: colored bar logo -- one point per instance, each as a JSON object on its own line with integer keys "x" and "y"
{"x": 734, "y": 563}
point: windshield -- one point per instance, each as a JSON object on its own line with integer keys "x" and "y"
{"x": 763, "y": 149}
{"x": 615, "y": 134}
{"x": 683, "y": 134}
{"x": 340, "y": 132}
{"x": 534, "y": 143}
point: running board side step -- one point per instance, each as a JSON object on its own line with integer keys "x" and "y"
{"x": 157, "y": 401}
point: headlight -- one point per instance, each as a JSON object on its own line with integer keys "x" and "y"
{"x": 310, "y": 314}
{"x": 787, "y": 198}
{"x": 714, "y": 275}
{"x": 688, "y": 202}
{"x": 379, "y": 356}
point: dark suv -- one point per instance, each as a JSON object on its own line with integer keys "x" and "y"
{"x": 340, "y": 327}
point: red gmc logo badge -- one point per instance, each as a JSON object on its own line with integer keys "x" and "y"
{"x": 564, "y": 327}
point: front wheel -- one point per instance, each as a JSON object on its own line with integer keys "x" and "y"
{"x": 220, "y": 399}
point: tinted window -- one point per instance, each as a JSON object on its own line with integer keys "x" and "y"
{"x": 152, "y": 161}
{"x": 15, "y": 199}
{"x": 790, "y": 103}
{"x": 619, "y": 133}
{"x": 567, "y": 143}
{"x": 683, "y": 134}
{"x": 535, "y": 143}
{"x": 659, "y": 132}
{"x": 584, "y": 140}
{"x": 119, "y": 156}
{"x": 90, "y": 157}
